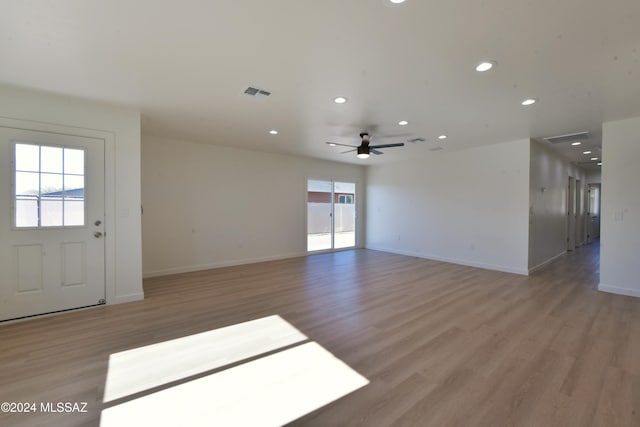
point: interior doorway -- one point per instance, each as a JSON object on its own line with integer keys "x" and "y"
{"x": 331, "y": 215}
{"x": 571, "y": 214}
{"x": 593, "y": 212}
{"x": 578, "y": 215}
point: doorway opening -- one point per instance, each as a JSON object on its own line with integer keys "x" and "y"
{"x": 331, "y": 215}
{"x": 571, "y": 212}
{"x": 593, "y": 213}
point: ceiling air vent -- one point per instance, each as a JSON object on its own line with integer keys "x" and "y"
{"x": 435, "y": 149}
{"x": 254, "y": 91}
{"x": 572, "y": 137}
{"x": 414, "y": 140}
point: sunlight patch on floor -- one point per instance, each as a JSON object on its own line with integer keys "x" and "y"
{"x": 154, "y": 365}
{"x": 270, "y": 391}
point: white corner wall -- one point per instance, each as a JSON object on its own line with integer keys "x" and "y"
{"x": 466, "y": 207}
{"x": 208, "y": 206}
{"x": 620, "y": 218}
{"x": 549, "y": 178}
{"x": 121, "y": 130}
{"x": 594, "y": 177}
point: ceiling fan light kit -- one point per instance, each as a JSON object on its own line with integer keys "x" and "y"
{"x": 364, "y": 149}
{"x": 363, "y": 152}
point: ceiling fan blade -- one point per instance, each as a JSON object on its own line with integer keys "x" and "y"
{"x": 348, "y": 151}
{"x": 342, "y": 145}
{"x": 399, "y": 144}
{"x": 375, "y": 152}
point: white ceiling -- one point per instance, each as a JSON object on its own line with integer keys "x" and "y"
{"x": 184, "y": 65}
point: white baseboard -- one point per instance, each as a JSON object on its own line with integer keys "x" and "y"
{"x": 126, "y": 298}
{"x": 504, "y": 269}
{"x": 620, "y": 291}
{"x": 542, "y": 264}
{"x": 191, "y": 268}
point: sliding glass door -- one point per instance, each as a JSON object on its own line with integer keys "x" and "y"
{"x": 331, "y": 215}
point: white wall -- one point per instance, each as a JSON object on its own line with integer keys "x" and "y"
{"x": 121, "y": 130}
{"x": 594, "y": 177}
{"x": 620, "y": 219}
{"x": 208, "y": 206}
{"x": 548, "y": 207}
{"x": 467, "y": 207}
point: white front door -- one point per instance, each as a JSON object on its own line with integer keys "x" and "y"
{"x": 52, "y": 228}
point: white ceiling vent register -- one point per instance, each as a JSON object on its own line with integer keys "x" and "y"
{"x": 572, "y": 137}
{"x": 254, "y": 91}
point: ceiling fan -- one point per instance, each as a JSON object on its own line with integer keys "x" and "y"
{"x": 364, "y": 149}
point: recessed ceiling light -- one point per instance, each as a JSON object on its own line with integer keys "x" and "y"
{"x": 340, "y": 100}
{"x": 529, "y": 101}
{"x": 586, "y": 152}
{"x": 485, "y": 66}
{"x": 594, "y": 158}
{"x": 600, "y": 164}
{"x": 403, "y": 122}
{"x": 397, "y": 1}
{"x": 273, "y": 132}
{"x": 332, "y": 144}
{"x": 576, "y": 143}
{"x": 442, "y": 137}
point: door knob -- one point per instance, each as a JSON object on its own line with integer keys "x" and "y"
{"x": 97, "y": 234}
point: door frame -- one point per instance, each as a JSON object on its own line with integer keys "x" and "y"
{"x": 578, "y": 214}
{"x": 585, "y": 213}
{"x": 358, "y": 209}
{"x": 109, "y": 187}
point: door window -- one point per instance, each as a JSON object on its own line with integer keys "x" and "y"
{"x": 49, "y": 186}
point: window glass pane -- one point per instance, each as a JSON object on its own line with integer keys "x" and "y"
{"x": 51, "y": 160}
{"x": 319, "y": 186}
{"x": 51, "y": 211}
{"x": 318, "y": 215}
{"x": 73, "y": 212}
{"x": 594, "y": 201}
{"x": 27, "y": 212}
{"x": 344, "y": 216}
{"x": 347, "y": 188}
{"x": 27, "y": 183}
{"x": 50, "y": 184}
{"x": 27, "y": 157}
{"x": 74, "y": 161}
{"x": 74, "y": 186}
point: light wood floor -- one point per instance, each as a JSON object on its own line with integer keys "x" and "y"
{"x": 441, "y": 344}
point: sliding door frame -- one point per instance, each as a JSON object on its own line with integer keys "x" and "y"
{"x": 358, "y": 206}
